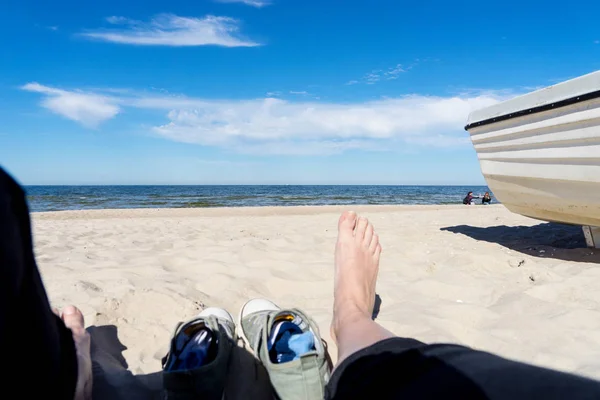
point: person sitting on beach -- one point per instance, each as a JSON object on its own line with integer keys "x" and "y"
{"x": 487, "y": 199}
{"x": 52, "y": 353}
{"x": 468, "y": 200}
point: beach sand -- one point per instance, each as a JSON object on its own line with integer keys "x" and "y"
{"x": 479, "y": 276}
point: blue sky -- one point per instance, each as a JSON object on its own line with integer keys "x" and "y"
{"x": 279, "y": 91}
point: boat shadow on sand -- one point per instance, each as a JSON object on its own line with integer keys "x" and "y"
{"x": 545, "y": 240}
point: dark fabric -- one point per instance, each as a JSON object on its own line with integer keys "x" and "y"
{"x": 206, "y": 382}
{"x": 36, "y": 345}
{"x": 407, "y": 369}
{"x": 468, "y": 199}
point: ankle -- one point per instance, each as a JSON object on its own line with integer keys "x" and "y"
{"x": 346, "y": 315}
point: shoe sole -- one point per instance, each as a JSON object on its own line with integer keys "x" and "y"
{"x": 241, "y": 330}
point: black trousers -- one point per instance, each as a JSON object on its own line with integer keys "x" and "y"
{"x": 39, "y": 354}
{"x": 401, "y": 368}
{"x": 37, "y": 349}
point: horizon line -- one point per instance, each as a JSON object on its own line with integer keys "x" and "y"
{"x": 261, "y": 184}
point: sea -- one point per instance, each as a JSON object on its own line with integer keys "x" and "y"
{"x": 58, "y": 198}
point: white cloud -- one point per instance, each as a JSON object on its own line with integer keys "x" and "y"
{"x": 299, "y": 92}
{"x": 89, "y": 109}
{"x": 172, "y": 30}
{"x": 276, "y": 126}
{"x": 253, "y": 3}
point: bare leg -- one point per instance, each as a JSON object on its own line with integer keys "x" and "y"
{"x": 356, "y": 267}
{"x": 406, "y": 368}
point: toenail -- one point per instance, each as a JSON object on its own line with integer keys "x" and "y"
{"x": 350, "y": 215}
{"x": 69, "y": 310}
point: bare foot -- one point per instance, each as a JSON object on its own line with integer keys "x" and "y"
{"x": 73, "y": 319}
{"x": 356, "y": 267}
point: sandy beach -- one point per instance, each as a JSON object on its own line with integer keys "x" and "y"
{"x": 479, "y": 276}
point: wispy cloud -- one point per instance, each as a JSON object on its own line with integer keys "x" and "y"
{"x": 377, "y": 75}
{"x": 276, "y": 126}
{"x": 88, "y": 109}
{"x": 299, "y": 92}
{"x": 253, "y": 3}
{"x": 372, "y": 77}
{"x": 389, "y": 74}
{"x": 394, "y": 72}
{"x": 173, "y": 30}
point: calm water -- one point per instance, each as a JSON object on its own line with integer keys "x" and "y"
{"x": 54, "y": 198}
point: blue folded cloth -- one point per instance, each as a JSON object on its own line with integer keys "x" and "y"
{"x": 291, "y": 344}
{"x": 302, "y": 344}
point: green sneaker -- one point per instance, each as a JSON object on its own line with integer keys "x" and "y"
{"x": 303, "y": 378}
{"x": 213, "y": 331}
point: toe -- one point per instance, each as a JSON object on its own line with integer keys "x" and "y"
{"x": 377, "y": 253}
{"x": 73, "y": 318}
{"x": 368, "y": 235}
{"x": 347, "y": 223}
{"x": 361, "y": 227}
{"x": 374, "y": 243}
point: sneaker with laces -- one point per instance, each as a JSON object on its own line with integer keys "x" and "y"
{"x": 289, "y": 345}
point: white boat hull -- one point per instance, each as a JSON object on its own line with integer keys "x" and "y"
{"x": 540, "y": 153}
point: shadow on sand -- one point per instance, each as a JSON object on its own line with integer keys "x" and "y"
{"x": 376, "y": 307}
{"x": 545, "y": 240}
{"x": 247, "y": 378}
{"x": 112, "y": 380}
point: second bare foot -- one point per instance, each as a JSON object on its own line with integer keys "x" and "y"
{"x": 73, "y": 319}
